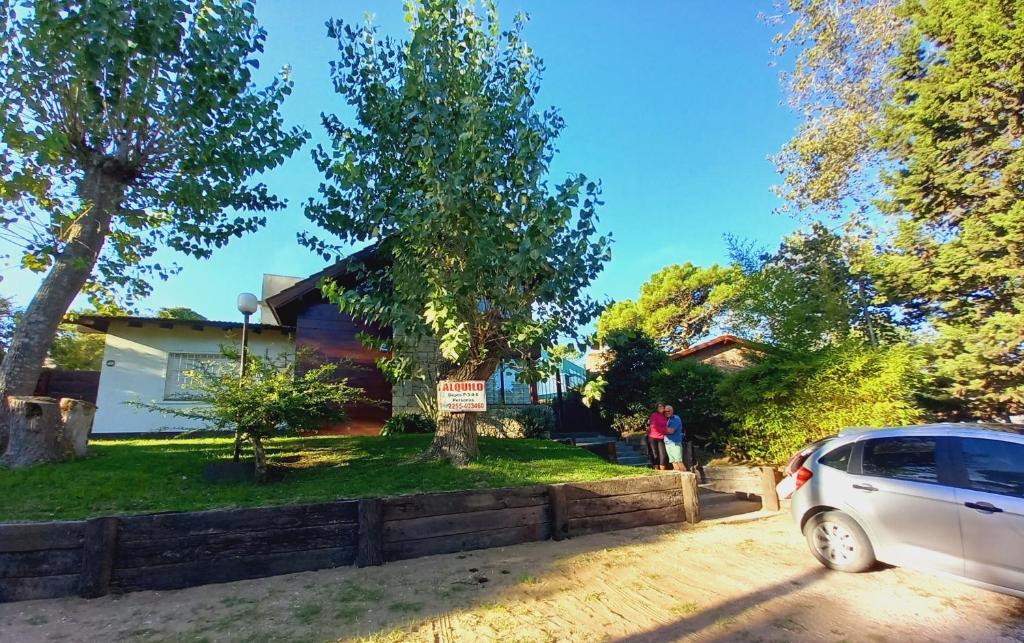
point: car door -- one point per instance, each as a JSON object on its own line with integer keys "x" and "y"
{"x": 991, "y": 506}
{"x": 898, "y": 488}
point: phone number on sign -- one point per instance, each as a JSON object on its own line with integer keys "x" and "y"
{"x": 454, "y": 407}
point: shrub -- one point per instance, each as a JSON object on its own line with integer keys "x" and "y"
{"x": 790, "y": 399}
{"x": 633, "y": 422}
{"x": 402, "y": 423}
{"x": 536, "y": 421}
{"x": 269, "y": 400}
{"x": 630, "y": 373}
{"x": 692, "y": 389}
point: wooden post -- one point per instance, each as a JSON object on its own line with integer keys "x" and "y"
{"x": 559, "y": 512}
{"x": 769, "y": 496}
{"x": 613, "y": 453}
{"x": 370, "y": 550}
{"x": 691, "y": 497}
{"x": 99, "y": 544}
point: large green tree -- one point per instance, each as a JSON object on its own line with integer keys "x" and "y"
{"x": 837, "y": 59}
{"x": 677, "y": 305}
{"x": 809, "y": 293}
{"x": 445, "y": 166}
{"x": 126, "y": 126}
{"x": 912, "y": 110}
{"x": 955, "y": 133}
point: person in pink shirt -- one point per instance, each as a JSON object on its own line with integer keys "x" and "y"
{"x": 657, "y": 426}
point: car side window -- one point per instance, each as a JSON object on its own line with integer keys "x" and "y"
{"x": 994, "y": 466}
{"x": 904, "y": 458}
{"x": 837, "y": 458}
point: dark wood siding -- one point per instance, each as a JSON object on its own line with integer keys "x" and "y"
{"x": 58, "y": 383}
{"x": 320, "y": 327}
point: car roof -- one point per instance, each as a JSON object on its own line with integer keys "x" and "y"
{"x": 968, "y": 427}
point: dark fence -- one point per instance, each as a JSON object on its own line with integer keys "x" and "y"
{"x": 172, "y": 550}
{"x": 78, "y": 385}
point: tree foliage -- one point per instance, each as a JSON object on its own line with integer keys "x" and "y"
{"x": 807, "y": 294}
{"x": 8, "y": 318}
{"x": 636, "y": 359}
{"x": 914, "y": 107}
{"x": 127, "y": 126}
{"x": 692, "y": 389}
{"x": 75, "y": 350}
{"x": 179, "y": 312}
{"x": 838, "y": 84}
{"x": 445, "y": 166}
{"x": 677, "y": 305}
{"x": 792, "y": 398}
{"x": 269, "y": 400}
{"x": 955, "y": 134}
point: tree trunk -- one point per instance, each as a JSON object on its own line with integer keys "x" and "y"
{"x": 46, "y": 430}
{"x": 35, "y": 432}
{"x": 76, "y": 418}
{"x": 102, "y": 194}
{"x": 260, "y": 457}
{"x": 456, "y": 438}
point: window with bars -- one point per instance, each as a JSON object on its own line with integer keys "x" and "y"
{"x": 178, "y": 385}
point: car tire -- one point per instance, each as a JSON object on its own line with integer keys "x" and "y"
{"x": 839, "y": 543}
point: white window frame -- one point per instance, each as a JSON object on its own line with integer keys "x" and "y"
{"x": 176, "y": 387}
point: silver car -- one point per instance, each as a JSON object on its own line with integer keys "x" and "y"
{"x": 944, "y": 498}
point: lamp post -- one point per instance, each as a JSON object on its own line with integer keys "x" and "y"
{"x": 247, "y": 304}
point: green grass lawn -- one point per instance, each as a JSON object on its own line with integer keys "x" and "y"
{"x": 139, "y": 476}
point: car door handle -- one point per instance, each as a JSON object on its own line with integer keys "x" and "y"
{"x": 865, "y": 487}
{"x": 987, "y": 507}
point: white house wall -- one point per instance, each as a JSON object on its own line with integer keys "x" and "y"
{"x": 139, "y": 357}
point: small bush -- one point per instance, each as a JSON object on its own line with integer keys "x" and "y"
{"x": 536, "y": 421}
{"x": 632, "y": 422}
{"x": 402, "y": 423}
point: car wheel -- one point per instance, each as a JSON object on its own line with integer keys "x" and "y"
{"x": 839, "y": 543}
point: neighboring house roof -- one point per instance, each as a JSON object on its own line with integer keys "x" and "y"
{"x": 101, "y": 323}
{"x": 720, "y": 341}
{"x": 282, "y": 305}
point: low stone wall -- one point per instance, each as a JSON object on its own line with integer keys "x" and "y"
{"x": 172, "y": 550}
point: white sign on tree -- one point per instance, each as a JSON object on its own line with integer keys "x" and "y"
{"x": 461, "y": 397}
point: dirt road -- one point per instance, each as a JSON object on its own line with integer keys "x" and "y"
{"x": 746, "y": 581}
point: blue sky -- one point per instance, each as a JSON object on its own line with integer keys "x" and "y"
{"x": 671, "y": 104}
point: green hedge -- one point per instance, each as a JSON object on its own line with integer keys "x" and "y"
{"x": 790, "y": 399}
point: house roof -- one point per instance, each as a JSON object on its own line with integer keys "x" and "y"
{"x": 721, "y": 340}
{"x": 101, "y": 323}
{"x": 281, "y": 304}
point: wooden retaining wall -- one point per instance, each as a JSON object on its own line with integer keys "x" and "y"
{"x": 748, "y": 481}
{"x": 163, "y": 551}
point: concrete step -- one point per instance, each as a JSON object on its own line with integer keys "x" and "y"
{"x": 634, "y": 461}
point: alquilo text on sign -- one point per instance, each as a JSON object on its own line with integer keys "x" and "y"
{"x": 461, "y": 397}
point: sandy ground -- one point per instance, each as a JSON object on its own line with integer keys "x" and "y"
{"x": 744, "y": 580}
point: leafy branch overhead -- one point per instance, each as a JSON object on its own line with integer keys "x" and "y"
{"x": 159, "y": 96}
